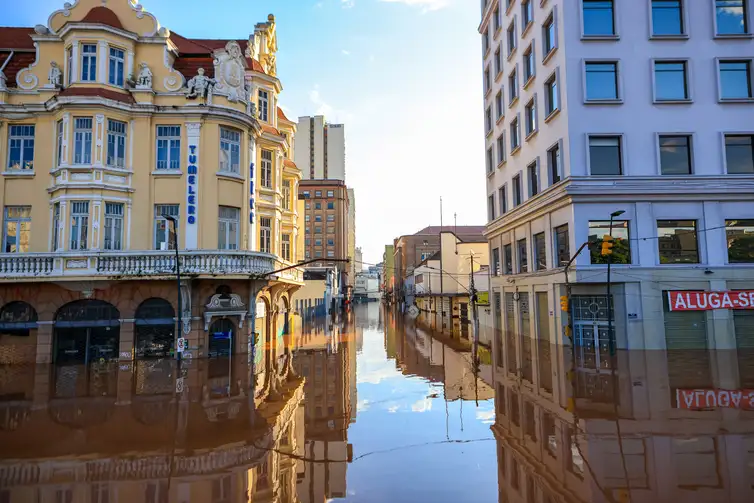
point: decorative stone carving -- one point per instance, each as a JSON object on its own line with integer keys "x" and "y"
{"x": 233, "y": 301}
{"x": 200, "y": 86}
{"x": 230, "y": 69}
{"x": 41, "y": 29}
{"x": 222, "y": 306}
{"x": 144, "y": 79}
{"x": 25, "y": 79}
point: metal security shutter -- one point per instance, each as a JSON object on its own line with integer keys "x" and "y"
{"x": 688, "y": 354}
{"x": 743, "y": 323}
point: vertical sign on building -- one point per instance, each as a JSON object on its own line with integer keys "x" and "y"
{"x": 252, "y": 188}
{"x": 193, "y": 132}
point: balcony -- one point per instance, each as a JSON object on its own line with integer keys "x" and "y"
{"x": 138, "y": 264}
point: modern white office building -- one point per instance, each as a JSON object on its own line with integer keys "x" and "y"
{"x": 643, "y": 109}
{"x": 323, "y": 149}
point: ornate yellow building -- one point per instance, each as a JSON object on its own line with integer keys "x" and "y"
{"x": 111, "y": 126}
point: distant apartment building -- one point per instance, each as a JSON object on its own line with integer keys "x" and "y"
{"x": 323, "y": 149}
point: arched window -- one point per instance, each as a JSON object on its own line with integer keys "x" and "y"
{"x": 155, "y": 328}
{"x": 224, "y": 291}
{"x": 86, "y": 313}
{"x": 86, "y": 331}
{"x": 155, "y": 311}
{"x": 17, "y": 318}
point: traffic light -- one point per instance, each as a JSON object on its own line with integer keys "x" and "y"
{"x": 607, "y": 245}
{"x": 564, "y": 303}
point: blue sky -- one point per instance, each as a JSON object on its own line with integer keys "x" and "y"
{"x": 404, "y": 76}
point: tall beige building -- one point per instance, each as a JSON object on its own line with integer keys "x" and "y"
{"x": 321, "y": 150}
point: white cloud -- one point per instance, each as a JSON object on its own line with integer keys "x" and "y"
{"x": 362, "y": 405}
{"x": 423, "y": 405}
{"x": 347, "y": 4}
{"x": 345, "y": 52}
{"x": 486, "y": 416}
{"x": 325, "y": 108}
{"x": 393, "y": 409}
{"x": 426, "y": 5}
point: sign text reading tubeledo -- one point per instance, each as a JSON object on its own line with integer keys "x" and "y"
{"x": 706, "y": 301}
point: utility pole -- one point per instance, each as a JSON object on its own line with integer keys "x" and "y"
{"x": 607, "y": 249}
{"x": 474, "y": 314}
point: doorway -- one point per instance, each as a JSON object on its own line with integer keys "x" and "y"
{"x": 86, "y": 331}
{"x": 593, "y": 344}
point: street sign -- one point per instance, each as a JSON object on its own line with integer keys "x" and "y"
{"x": 182, "y": 344}
{"x": 413, "y": 311}
{"x": 483, "y": 298}
{"x": 179, "y": 385}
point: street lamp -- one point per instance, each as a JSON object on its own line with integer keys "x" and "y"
{"x": 610, "y": 334}
{"x": 174, "y": 221}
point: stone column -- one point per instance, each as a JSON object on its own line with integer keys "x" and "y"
{"x": 102, "y": 57}
{"x": 44, "y": 341}
{"x": 127, "y": 340}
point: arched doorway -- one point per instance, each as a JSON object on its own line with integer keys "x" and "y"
{"x": 86, "y": 331}
{"x": 221, "y": 336}
{"x": 284, "y": 307}
{"x": 18, "y": 320}
{"x": 155, "y": 329}
{"x": 261, "y": 344}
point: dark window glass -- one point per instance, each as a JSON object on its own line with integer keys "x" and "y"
{"x": 677, "y": 242}
{"x": 735, "y": 79}
{"x": 731, "y": 17}
{"x": 740, "y": 237}
{"x": 553, "y": 160}
{"x": 670, "y": 81}
{"x": 551, "y": 86}
{"x": 605, "y": 155}
{"x": 598, "y": 18}
{"x": 491, "y": 207}
{"x": 496, "y": 261}
{"x": 540, "y": 252}
{"x": 523, "y": 259}
{"x": 621, "y": 241}
{"x": 490, "y": 160}
{"x": 507, "y": 259}
{"x": 533, "y": 179}
{"x": 739, "y": 154}
{"x": 602, "y": 81}
{"x": 667, "y": 17}
{"x": 500, "y": 148}
{"x": 549, "y": 33}
{"x": 675, "y": 155}
{"x": 517, "y": 190}
{"x": 503, "y": 196}
{"x": 562, "y": 246}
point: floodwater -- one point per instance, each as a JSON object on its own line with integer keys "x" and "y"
{"x": 375, "y": 407}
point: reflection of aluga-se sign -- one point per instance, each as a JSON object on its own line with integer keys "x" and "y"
{"x": 706, "y": 301}
{"x": 700, "y": 399}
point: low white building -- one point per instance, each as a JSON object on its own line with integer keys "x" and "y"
{"x": 367, "y": 287}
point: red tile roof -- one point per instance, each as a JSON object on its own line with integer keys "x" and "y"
{"x": 16, "y": 38}
{"x": 189, "y": 66}
{"x": 290, "y": 164}
{"x": 270, "y": 129}
{"x": 205, "y": 47}
{"x": 18, "y": 62}
{"x": 97, "y": 91}
{"x": 102, "y": 15}
{"x": 281, "y": 115}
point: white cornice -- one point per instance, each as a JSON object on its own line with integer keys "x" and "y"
{"x": 95, "y": 27}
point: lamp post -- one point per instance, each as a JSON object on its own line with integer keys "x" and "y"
{"x": 174, "y": 221}
{"x": 609, "y": 298}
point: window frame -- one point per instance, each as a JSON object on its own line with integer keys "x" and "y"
{"x": 491, "y": 210}
{"x": 522, "y": 268}
{"x": 266, "y": 168}
{"x": 559, "y": 168}
{"x": 724, "y": 136}
{"x": 552, "y": 80}
{"x": 172, "y": 145}
{"x": 265, "y": 234}
{"x": 748, "y": 33}
{"x": 690, "y": 137}
{"x": 528, "y": 12}
{"x": 263, "y": 104}
{"x": 511, "y": 38}
{"x": 688, "y": 80}
{"x": 120, "y": 148}
{"x": 535, "y": 248}
{"x": 596, "y": 245}
{"x": 18, "y": 221}
{"x": 286, "y": 191}
{"x": 622, "y": 152}
{"x": 24, "y": 138}
{"x": 489, "y": 122}
{"x": 557, "y": 259}
{"x": 749, "y": 74}
{"x": 84, "y": 160}
{"x": 499, "y": 106}
{"x": 531, "y": 118}
{"x": 616, "y": 16}
{"x": 727, "y": 238}
{"x": 684, "y": 35}
{"x": 513, "y": 84}
{"x": 227, "y": 222}
{"x": 120, "y": 79}
{"x": 114, "y": 223}
{"x": 503, "y": 199}
{"x": 490, "y": 160}
{"x": 533, "y": 183}
{"x": 515, "y": 133}
{"x": 60, "y": 140}
{"x": 227, "y": 144}
{"x": 699, "y": 259}
{"x": 518, "y": 190}
{"x": 501, "y": 152}
{"x": 529, "y": 56}
{"x": 82, "y": 236}
{"x": 498, "y": 62}
{"x": 158, "y": 218}
{"x": 552, "y": 17}
{"x": 90, "y": 57}
{"x": 618, "y": 100}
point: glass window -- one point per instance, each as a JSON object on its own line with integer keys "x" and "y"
{"x": 531, "y": 116}
{"x": 485, "y": 42}
{"x": 59, "y": 149}
{"x": 331, "y": 242}
{"x": 317, "y": 206}
{"x": 501, "y": 147}
{"x": 264, "y": 105}
{"x": 490, "y": 161}
{"x": 527, "y": 12}
{"x": 671, "y": 83}
{"x": 496, "y": 262}
{"x": 511, "y": 34}
{"x": 621, "y": 241}
{"x": 287, "y": 195}
{"x": 265, "y": 234}
{"x": 285, "y": 247}
{"x": 599, "y": 18}
{"x": 168, "y": 147}
{"x": 89, "y": 62}
{"x": 562, "y": 245}
{"x": 228, "y": 228}
{"x": 487, "y": 81}
{"x": 515, "y": 139}
{"x": 667, "y": 17}
{"x": 551, "y": 88}
{"x": 677, "y": 243}
{"x": 116, "y": 63}
{"x": 735, "y": 80}
{"x": 497, "y": 18}
{"x": 488, "y": 120}
{"x": 602, "y": 81}
{"x": 553, "y": 162}
{"x": 507, "y": 259}
{"x": 540, "y": 252}
{"x": 55, "y": 226}
{"x": 317, "y": 218}
{"x": 675, "y": 155}
{"x": 533, "y": 173}
{"x": 21, "y": 148}
{"x": 517, "y": 195}
{"x": 82, "y": 140}
{"x": 605, "y": 155}
{"x": 266, "y": 177}
{"x": 330, "y": 218}
{"x": 318, "y": 230}
{"x": 523, "y": 261}
{"x": 317, "y": 193}
{"x": 503, "y": 197}
{"x": 739, "y": 154}
{"x": 330, "y": 193}
{"x": 498, "y": 62}
{"x": 740, "y": 237}
{"x": 116, "y": 143}
{"x": 17, "y": 229}
{"x": 530, "y": 66}
{"x": 513, "y": 85}
{"x": 548, "y": 30}
{"x": 69, "y": 58}
{"x": 732, "y": 18}
{"x": 164, "y": 234}
{"x": 113, "y": 226}
{"x": 499, "y": 108}
{"x": 230, "y": 150}
{"x": 491, "y": 207}
{"x": 79, "y": 224}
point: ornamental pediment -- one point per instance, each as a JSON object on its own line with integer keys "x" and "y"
{"x": 128, "y": 15}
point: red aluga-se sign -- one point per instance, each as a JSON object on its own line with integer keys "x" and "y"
{"x": 706, "y": 301}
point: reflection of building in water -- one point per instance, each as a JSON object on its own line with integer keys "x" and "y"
{"x": 122, "y": 433}
{"x": 326, "y": 358}
{"x": 561, "y": 443}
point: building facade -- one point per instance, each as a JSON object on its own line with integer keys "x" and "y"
{"x": 352, "y": 270}
{"x": 119, "y": 140}
{"x": 642, "y": 112}
{"x": 323, "y": 156}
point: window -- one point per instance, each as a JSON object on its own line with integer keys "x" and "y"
{"x": 503, "y": 197}
{"x": 553, "y": 162}
{"x": 739, "y": 154}
{"x": 501, "y": 148}
{"x": 308, "y": 218}
{"x": 306, "y": 195}
{"x": 230, "y": 150}
{"x": 740, "y": 237}
{"x": 735, "y": 80}
{"x": 562, "y": 246}
{"x": 540, "y": 252}
{"x": 164, "y": 233}
{"x": 485, "y": 41}
{"x": 491, "y": 207}
{"x": 499, "y": 108}
{"x": 287, "y": 195}
{"x": 317, "y": 218}
{"x": 330, "y": 253}
{"x": 264, "y": 104}
{"x": 82, "y": 140}
{"x": 498, "y": 62}
{"x": 515, "y": 137}
{"x": 552, "y": 100}
{"x": 677, "y": 243}
{"x": 490, "y": 161}
{"x": 318, "y": 253}
{"x": 487, "y": 81}
{"x": 59, "y": 145}
{"x": 511, "y": 34}
{"x": 317, "y": 206}
{"x": 488, "y": 120}
{"x": 55, "y": 226}
{"x": 530, "y": 66}
{"x": 117, "y": 58}
{"x": 531, "y": 116}
{"x": 533, "y": 179}
{"x": 21, "y": 148}
{"x": 113, "y": 226}
{"x": 599, "y": 18}
{"x": 731, "y": 17}
{"x": 527, "y": 13}
{"x": 548, "y": 35}
{"x": 168, "y": 147}
{"x": 601, "y": 81}
{"x": 228, "y": 226}
{"x": 317, "y": 193}
{"x": 523, "y": 261}
{"x": 667, "y": 18}
{"x": 675, "y": 155}
{"x": 69, "y": 68}
{"x": 605, "y": 156}
{"x": 265, "y": 234}
{"x": 79, "y": 224}
{"x": 330, "y": 218}
{"x": 317, "y": 242}
{"x": 331, "y": 242}
{"x": 88, "y": 63}
{"x": 17, "y": 229}
{"x": 496, "y": 262}
{"x": 671, "y": 82}
{"x": 116, "y": 143}
{"x": 507, "y": 259}
{"x": 517, "y": 200}
{"x": 497, "y": 18}
{"x": 621, "y": 241}
{"x": 330, "y": 193}
{"x": 318, "y": 230}
{"x": 513, "y": 86}
{"x": 266, "y": 176}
